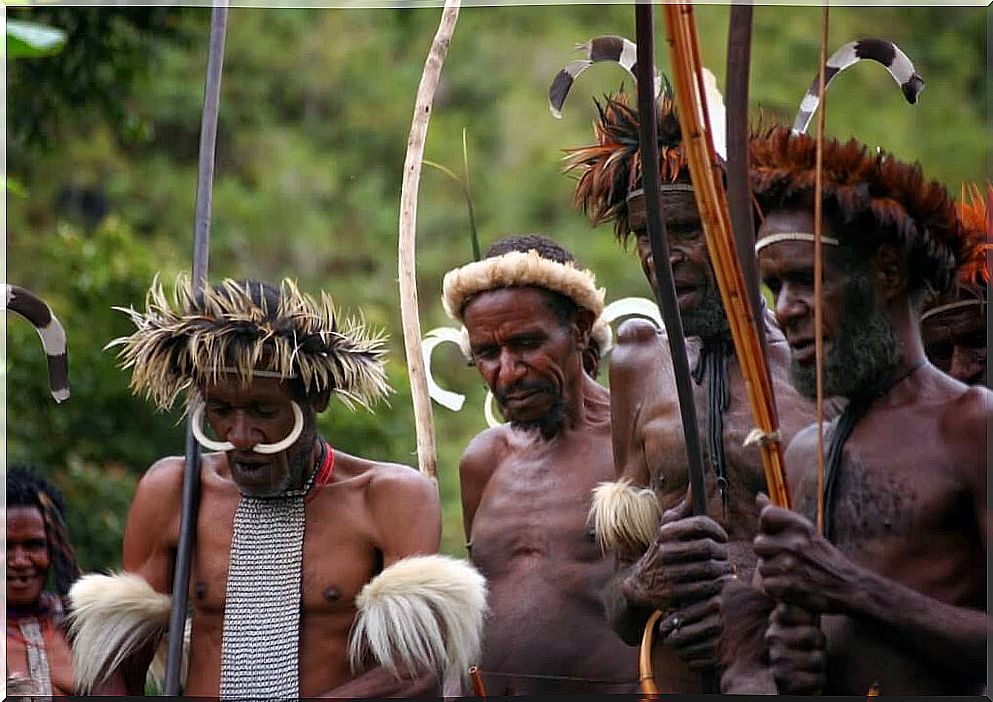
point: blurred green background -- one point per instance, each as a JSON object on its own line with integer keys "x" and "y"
{"x": 102, "y": 141}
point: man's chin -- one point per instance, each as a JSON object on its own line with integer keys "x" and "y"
{"x": 252, "y": 485}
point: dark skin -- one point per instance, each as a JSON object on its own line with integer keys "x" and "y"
{"x": 955, "y": 339}
{"x": 649, "y": 451}
{"x": 525, "y": 499}
{"x": 900, "y": 592}
{"x": 367, "y": 517}
{"x": 28, "y": 564}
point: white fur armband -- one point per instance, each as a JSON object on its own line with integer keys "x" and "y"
{"x": 421, "y": 613}
{"x": 112, "y": 616}
{"x": 624, "y": 517}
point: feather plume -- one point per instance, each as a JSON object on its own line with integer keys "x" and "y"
{"x": 892, "y": 200}
{"x": 420, "y": 614}
{"x": 975, "y": 209}
{"x": 610, "y": 168}
{"x": 218, "y": 329}
{"x": 624, "y": 517}
{"x": 111, "y": 618}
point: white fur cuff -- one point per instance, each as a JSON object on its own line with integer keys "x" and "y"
{"x": 624, "y": 517}
{"x": 422, "y": 613}
{"x": 112, "y": 617}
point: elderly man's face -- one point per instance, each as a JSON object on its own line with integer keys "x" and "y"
{"x": 27, "y": 555}
{"x": 955, "y": 341}
{"x": 260, "y": 413}
{"x": 529, "y": 358}
{"x": 699, "y": 298}
{"x": 859, "y": 344}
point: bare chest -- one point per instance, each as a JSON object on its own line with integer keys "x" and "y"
{"x": 339, "y": 556}
{"x": 536, "y": 503}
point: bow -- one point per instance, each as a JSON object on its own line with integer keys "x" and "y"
{"x": 714, "y": 215}
{"x": 427, "y": 459}
{"x": 201, "y": 248}
{"x": 665, "y": 293}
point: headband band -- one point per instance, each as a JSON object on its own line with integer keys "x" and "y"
{"x": 951, "y": 306}
{"x": 520, "y": 269}
{"x": 792, "y": 236}
{"x": 258, "y": 373}
{"x": 663, "y": 188}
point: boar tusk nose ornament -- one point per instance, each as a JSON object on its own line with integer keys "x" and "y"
{"x": 268, "y": 449}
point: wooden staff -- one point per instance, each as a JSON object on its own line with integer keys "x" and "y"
{"x": 712, "y": 204}
{"x": 427, "y": 459}
{"x": 201, "y": 248}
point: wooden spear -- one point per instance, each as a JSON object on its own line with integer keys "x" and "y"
{"x": 427, "y": 459}
{"x": 201, "y": 249}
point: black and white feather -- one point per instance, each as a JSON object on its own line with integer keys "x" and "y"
{"x": 53, "y": 336}
{"x": 606, "y": 48}
{"x": 881, "y": 51}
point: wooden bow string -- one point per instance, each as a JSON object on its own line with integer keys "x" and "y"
{"x": 201, "y": 249}
{"x": 427, "y": 460}
{"x": 665, "y": 295}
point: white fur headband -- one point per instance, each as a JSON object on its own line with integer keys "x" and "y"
{"x": 519, "y": 269}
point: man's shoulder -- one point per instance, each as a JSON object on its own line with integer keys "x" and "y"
{"x": 387, "y": 481}
{"x": 164, "y": 476}
{"x": 484, "y": 453}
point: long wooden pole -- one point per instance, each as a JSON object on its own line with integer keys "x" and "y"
{"x": 201, "y": 249}
{"x": 427, "y": 459}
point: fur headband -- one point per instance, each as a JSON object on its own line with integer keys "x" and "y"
{"x": 221, "y": 329}
{"x": 519, "y": 269}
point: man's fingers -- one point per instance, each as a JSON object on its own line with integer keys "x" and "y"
{"x": 791, "y": 615}
{"x": 691, "y": 528}
{"x": 682, "y": 510}
{"x": 690, "y": 615}
{"x": 701, "y": 571}
{"x": 690, "y": 552}
{"x": 773, "y": 520}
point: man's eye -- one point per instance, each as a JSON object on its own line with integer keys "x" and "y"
{"x": 485, "y": 353}
{"x": 265, "y": 411}
{"x": 774, "y": 284}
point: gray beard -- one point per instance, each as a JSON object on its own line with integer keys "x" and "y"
{"x": 865, "y": 351}
{"x": 548, "y": 424}
{"x": 708, "y": 320}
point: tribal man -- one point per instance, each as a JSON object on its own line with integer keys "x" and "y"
{"x": 526, "y": 485}
{"x": 954, "y": 324}
{"x": 679, "y": 567}
{"x": 38, "y": 658}
{"x": 894, "y": 592}
{"x": 314, "y": 571}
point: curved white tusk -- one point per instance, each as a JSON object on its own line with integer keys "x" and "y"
{"x": 196, "y": 421}
{"x": 633, "y": 307}
{"x": 290, "y": 439}
{"x": 445, "y": 398}
{"x": 491, "y": 418}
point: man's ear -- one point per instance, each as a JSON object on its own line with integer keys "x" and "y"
{"x": 889, "y": 272}
{"x": 583, "y": 326}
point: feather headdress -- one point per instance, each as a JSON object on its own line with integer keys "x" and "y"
{"x": 880, "y": 199}
{"x": 610, "y": 168}
{"x": 235, "y": 327}
{"x": 975, "y": 210}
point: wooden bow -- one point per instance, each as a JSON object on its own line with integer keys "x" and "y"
{"x": 712, "y": 204}
{"x": 427, "y": 459}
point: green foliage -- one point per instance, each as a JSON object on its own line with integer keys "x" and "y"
{"x": 315, "y": 111}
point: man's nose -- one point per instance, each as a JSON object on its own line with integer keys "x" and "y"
{"x": 789, "y": 305}
{"x": 17, "y": 557}
{"x": 511, "y": 368}
{"x": 676, "y": 254}
{"x": 242, "y": 432}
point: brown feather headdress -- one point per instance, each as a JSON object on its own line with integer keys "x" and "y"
{"x": 876, "y": 198}
{"x": 231, "y": 328}
{"x": 611, "y": 168}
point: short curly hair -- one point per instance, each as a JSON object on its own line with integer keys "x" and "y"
{"x": 872, "y": 199}
{"x": 23, "y": 486}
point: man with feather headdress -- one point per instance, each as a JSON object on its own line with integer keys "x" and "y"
{"x": 314, "y": 571}
{"x": 893, "y": 594}
{"x": 954, "y": 324}
{"x": 670, "y": 560}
